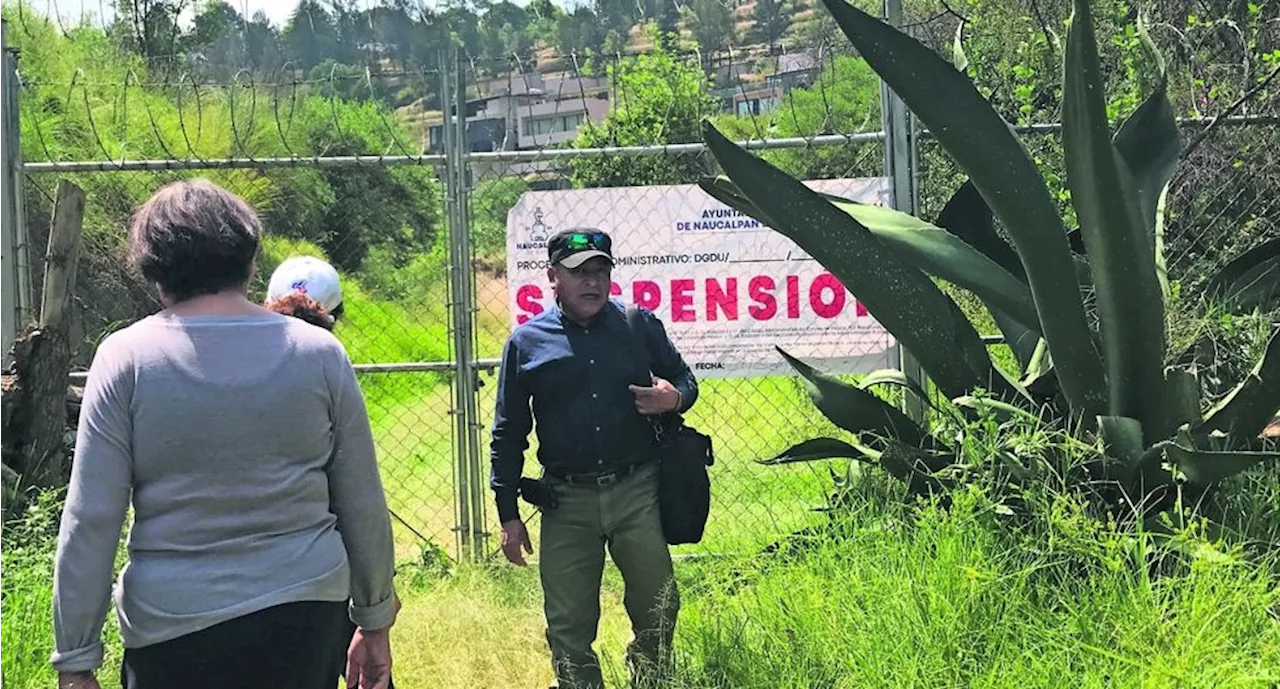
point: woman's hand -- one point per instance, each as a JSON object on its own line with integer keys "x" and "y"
{"x": 369, "y": 659}
{"x": 77, "y": 680}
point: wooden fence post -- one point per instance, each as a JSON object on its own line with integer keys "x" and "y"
{"x": 42, "y": 356}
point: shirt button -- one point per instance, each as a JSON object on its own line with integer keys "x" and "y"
{"x": 597, "y": 429}
{"x": 594, "y": 396}
{"x": 591, "y": 361}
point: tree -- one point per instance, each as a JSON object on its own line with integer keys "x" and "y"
{"x": 579, "y": 34}
{"x": 844, "y": 99}
{"x": 658, "y": 100}
{"x": 771, "y": 22}
{"x": 464, "y": 27}
{"x": 310, "y": 37}
{"x": 152, "y": 29}
{"x": 353, "y": 28}
{"x": 394, "y": 28}
{"x": 504, "y": 31}
{"x": 217, "y": 40}
{"x": 668, "y": 23}
{"x": 262, "y": 43}
{"x": 616, "y": 15}
{"x": 820, "y": 34}
{"x": 711, "y": 22}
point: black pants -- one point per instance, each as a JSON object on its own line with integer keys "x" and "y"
{"x": 286, "y": 647}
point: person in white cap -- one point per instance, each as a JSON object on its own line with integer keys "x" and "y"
{"x": 308, "y": 288}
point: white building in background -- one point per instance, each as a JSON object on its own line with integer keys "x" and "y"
{"x": 531, "y": 111}
{"x": 795, "y": 70}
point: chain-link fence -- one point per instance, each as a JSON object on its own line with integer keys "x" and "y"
{"x": 390, "y": 195}
{"x": 396, "y": 326}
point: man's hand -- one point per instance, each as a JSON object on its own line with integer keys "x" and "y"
{"x": 369, "y": 659}
{"x": 77, "y": 680}
{"x": 659, "y": 398}
{"x": 515, "y": 542}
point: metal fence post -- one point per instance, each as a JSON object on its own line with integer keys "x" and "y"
{"x": 458, "y": 306}
{"x": 470, "y": 484}
{"x": 15, "y": 282}
{"x": 901, "y": 160}
{"x": 465, "y": 320}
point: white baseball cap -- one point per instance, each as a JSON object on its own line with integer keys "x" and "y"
{"x": 308, "y": 275}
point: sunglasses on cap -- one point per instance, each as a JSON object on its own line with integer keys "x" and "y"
{"x": 578, "y": 241}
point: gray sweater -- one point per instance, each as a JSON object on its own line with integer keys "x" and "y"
{"x": 243, "y": 444}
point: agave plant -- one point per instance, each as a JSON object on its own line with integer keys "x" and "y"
{"x": 1103, "y": 377}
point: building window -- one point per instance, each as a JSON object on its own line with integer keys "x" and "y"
{"x": 555, "y": 124}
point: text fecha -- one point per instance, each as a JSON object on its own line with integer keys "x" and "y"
{"x": 721, "y": 298}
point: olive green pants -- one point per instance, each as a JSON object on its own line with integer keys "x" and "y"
{"x": 624, "y": 517}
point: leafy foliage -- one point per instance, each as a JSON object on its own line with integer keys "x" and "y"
{"x": 660, "y": 99}
{"x": 1155, "y": 440}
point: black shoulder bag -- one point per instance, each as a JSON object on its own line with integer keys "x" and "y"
{"x": 684, "y": 488}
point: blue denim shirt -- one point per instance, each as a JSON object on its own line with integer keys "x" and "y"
{"x": 576, "y": 378}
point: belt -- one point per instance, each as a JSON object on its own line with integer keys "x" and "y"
{"x": 601, "y": 479}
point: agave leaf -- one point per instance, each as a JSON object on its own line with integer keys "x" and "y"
{"x": 853, "y": 409}
{"x": 903, "y": 299}
{"x": 920, "y": 244}
{"x": 823, "y": 448}
{"x": 1001, "y": 410}
{"x": 1021, "y": 339}
{"x": 1041, "y": 364}
{"x": 892, "y": 377}
{"x": 967, "y": 216}
{"x": 1130, "y": 303}
{"x": 1220, "y": 285}
{"x": 1121, "y": 435}
{"x": 915, "y": 467}
{"x": 1247, "y": 409}
{"x": 1149, "y": 144}
{"x": 1161, "y": 263}
{"x": 723, "y": 189}
{"x": 1258, "y": 289}
{"x": 957, "y": 50}
{"x": 1205, "y": 467}
{"x": 911, "y": 465}
{"x": 944, "y": 255}
{"x": 1184, "y": 397}
{"x": 982, "y": 143}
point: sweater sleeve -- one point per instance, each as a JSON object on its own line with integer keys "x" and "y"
{"x": 97, "y": 501}
{"x": 355, "y": 490}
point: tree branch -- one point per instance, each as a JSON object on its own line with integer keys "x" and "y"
{"x": 1044, "y": 28}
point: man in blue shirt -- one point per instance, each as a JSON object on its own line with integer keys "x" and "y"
{"x": 578, "y": 371}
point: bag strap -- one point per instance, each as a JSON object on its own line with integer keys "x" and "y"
{"x": 635, "y": 325}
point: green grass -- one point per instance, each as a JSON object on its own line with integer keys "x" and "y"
{"x": 942, "y": 599}
{"x": 902, "y": 597}
{"x": 893, "y": 596}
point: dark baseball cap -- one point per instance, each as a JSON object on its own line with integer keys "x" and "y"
{"x": 572, "y": 248}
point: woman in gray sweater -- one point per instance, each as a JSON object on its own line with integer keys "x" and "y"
{"x": 240, "y": 439}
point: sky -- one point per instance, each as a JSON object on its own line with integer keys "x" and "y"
{"x": 278, "y": 11}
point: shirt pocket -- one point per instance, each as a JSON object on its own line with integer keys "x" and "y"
{"x": 558, "y": 378}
